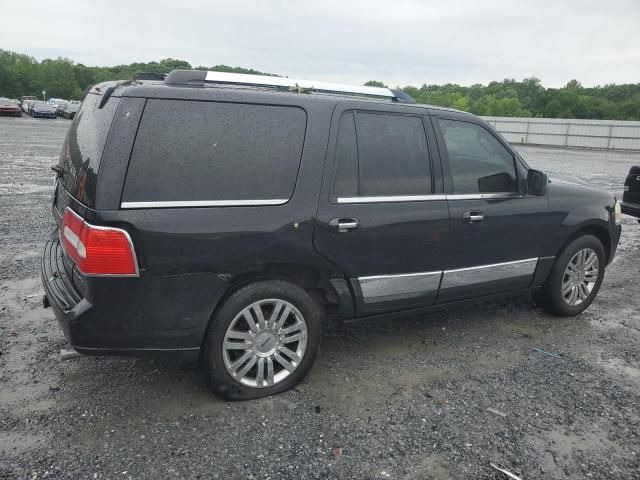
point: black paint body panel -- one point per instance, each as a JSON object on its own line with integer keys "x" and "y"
{"x": 190, "y": 258}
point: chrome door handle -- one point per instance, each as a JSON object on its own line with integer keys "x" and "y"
{"x": 472, "y": 217}
{"x": 343, "y": 225}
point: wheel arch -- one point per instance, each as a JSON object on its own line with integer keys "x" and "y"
{"x": 597, "y": 230}
{"x": 314, "y": 281}
{"x": 546, "y": 263}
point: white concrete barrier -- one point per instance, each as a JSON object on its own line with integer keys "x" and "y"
{"x": 570, "y": 133}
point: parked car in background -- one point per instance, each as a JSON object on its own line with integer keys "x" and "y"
{"x": 195, "y": 216}
{"x": 40, "y": 109}
{"x": 27, "y": 97}
{"x": 60, "y": 106}
{"x": 631, "y": 195}
{"x": 54, "y": 101}
{"x": 70, "y": 110}
{"x": 26, "y": 106}
{"x": 10, "y": 107}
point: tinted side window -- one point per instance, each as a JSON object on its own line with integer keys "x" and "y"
{"x": 82, "y": 150}
{"x": 381, "y": 154}
{"x": 188, "y": 150}
{"x": 346, "y": 183}
{"x": 477, "y": 160}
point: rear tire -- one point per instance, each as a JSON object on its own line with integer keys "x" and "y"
{"x": 261, "y": 341}
{"x": 575, "y": 278}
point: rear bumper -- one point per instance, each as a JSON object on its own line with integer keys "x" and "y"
{"x": 130, "y": 316}
{"x": 65, "y": 300}
{"x": 632, "y": 209}
{"x": 44, "y": 115}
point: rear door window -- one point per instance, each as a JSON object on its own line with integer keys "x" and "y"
{"x": 82, "y": 151}
{"x": 190, "y": 151}
{"x": 380, "y": 154}
{"x": 478, "y": 162}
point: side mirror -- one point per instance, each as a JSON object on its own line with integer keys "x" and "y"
{"x": 537, "y": 182}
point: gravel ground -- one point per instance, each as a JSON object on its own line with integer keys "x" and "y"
{"x": 387, "y": 399}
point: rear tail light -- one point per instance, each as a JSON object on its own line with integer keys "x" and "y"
{"x": 97, "y": 250}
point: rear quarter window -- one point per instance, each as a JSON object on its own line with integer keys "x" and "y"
{"x": 82, "y": 150}
{"x": 211, "y": 151}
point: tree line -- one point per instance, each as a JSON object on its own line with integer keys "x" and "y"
{"x": 63, "y": 78}
{"x": 528, "y": 98}
{"x": 23, "y": 75}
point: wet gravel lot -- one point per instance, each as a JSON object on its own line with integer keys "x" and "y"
{"x": 386, "y": 399}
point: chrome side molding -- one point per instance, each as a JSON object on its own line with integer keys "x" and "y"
{"x": 381, "y": 287}
{"x": 340, "y": 200}
{"x": 488, "y": 273}
{"x": 205, "y": 203}
{"x": 427, "y": 198}
{"x": 391, "y": 199}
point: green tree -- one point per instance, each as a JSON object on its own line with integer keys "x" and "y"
{"x": 23, "y": 75}
{"x": 374, "y": 83}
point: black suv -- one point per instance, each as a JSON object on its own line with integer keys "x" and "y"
{"x": 230, "y": 215}
{"x": 631, "y": 196}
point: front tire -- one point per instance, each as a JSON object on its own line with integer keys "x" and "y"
{"x": 575, "y": 278}
{"x": 262, "y": 341}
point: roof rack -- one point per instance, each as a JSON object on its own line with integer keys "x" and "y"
{"x": 191, "y": 77}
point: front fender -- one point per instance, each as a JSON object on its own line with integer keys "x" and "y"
{"x": 573, "y": 208}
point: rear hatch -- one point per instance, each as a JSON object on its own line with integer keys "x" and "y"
{"x": 81, "y": 154}
{"x": 75, "y": 188}
{"x": 632, "y": 186}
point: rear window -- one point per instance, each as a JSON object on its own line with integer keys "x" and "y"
{"x": 82, "y": 151}
{"x": 217, "y": 152}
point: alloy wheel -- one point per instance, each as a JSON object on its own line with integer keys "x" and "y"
{"x": 265, "y": 343}
{"x": 580, "y": 276}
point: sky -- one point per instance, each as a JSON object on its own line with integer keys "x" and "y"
{"x": 403, "y": 42}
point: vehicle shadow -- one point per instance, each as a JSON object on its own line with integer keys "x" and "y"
{"x": 363, "y": 363}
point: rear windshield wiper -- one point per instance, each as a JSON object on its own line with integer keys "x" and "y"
{"x": 106, "y": 95}
{"x": 59, "y": 170}
{"x": 109, "y": 91}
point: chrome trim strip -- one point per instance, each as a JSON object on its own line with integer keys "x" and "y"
{"x": 381, "y": 287}
{"x": 341, "y": 200}
{"x": 257, "y": 80}
{"x": 488, "y": 273}
{"x": 481, "y": 196}
{"x": 378, "y": 288}
{"x": 205, "y": 203}
{"x": 426, "y": 198}
{"x": 128, "y": 349}
{"x": 391, "y": 198}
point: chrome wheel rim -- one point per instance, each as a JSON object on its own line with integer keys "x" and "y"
{"x": 265, "y": 343}
{"x": 580, "y": 276}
